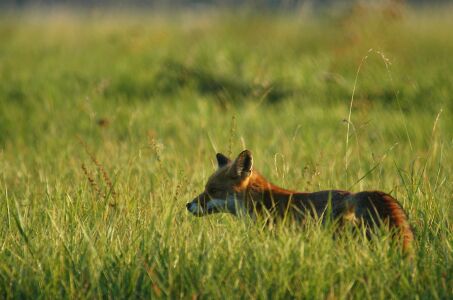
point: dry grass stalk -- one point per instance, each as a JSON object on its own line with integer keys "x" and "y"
{"x": 91, "y": 180}
{"x": 101, "y": 170}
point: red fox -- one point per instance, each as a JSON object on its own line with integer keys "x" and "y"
{"x": 237, "y": 188}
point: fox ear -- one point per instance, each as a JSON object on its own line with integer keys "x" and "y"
{"x": 243, "y": 164}
{"x": 222, "y": 160}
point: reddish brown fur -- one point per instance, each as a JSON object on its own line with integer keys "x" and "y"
{"x": 371, "y": 206}
{"x": 259, "y": 196}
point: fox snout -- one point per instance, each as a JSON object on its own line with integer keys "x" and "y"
{"x": 198, "y": 204}
{"x": 205, "y": 205}
{"x": 192, "y": 207}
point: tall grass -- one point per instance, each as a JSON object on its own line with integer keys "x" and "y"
{"x": 109, "y": 125}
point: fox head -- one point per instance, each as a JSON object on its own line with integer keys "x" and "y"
{"x": 226, "y": 188}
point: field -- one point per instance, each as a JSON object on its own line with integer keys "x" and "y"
{"x": 109, "y": 124}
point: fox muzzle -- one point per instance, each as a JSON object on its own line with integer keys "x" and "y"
{"x": 198, "y": 205}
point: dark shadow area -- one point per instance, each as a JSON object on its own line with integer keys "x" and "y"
{"x": 174, "y": 76}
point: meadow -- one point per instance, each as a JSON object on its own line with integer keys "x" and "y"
{"x": 110, "y": 122}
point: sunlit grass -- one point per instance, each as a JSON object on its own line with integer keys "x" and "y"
{"x": 110, "y": 124}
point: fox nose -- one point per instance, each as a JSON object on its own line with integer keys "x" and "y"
{"x": 188, "y": 205}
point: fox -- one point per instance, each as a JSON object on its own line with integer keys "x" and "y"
{"x": 237, "y": 188}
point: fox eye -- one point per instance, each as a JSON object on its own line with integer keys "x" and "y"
{"x": 213, "y": 190}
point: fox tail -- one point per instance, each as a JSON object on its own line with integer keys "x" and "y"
{"x": 374, "y": 207}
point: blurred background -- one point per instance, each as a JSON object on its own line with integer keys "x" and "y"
{"x": 260, "y": 4}
{"x": 222, "y": 52}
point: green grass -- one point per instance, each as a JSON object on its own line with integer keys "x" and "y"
{"x": 139, "y": 104}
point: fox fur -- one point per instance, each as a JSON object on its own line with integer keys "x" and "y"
{"x": 237, "y": 188}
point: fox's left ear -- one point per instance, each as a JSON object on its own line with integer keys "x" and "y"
{"x": 222, "y": 160}
{"x": 243, "y": 164}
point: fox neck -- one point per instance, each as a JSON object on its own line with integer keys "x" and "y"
{"x": 262, "y": 194}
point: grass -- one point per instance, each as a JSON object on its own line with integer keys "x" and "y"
{"x": 109, "y": 124}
